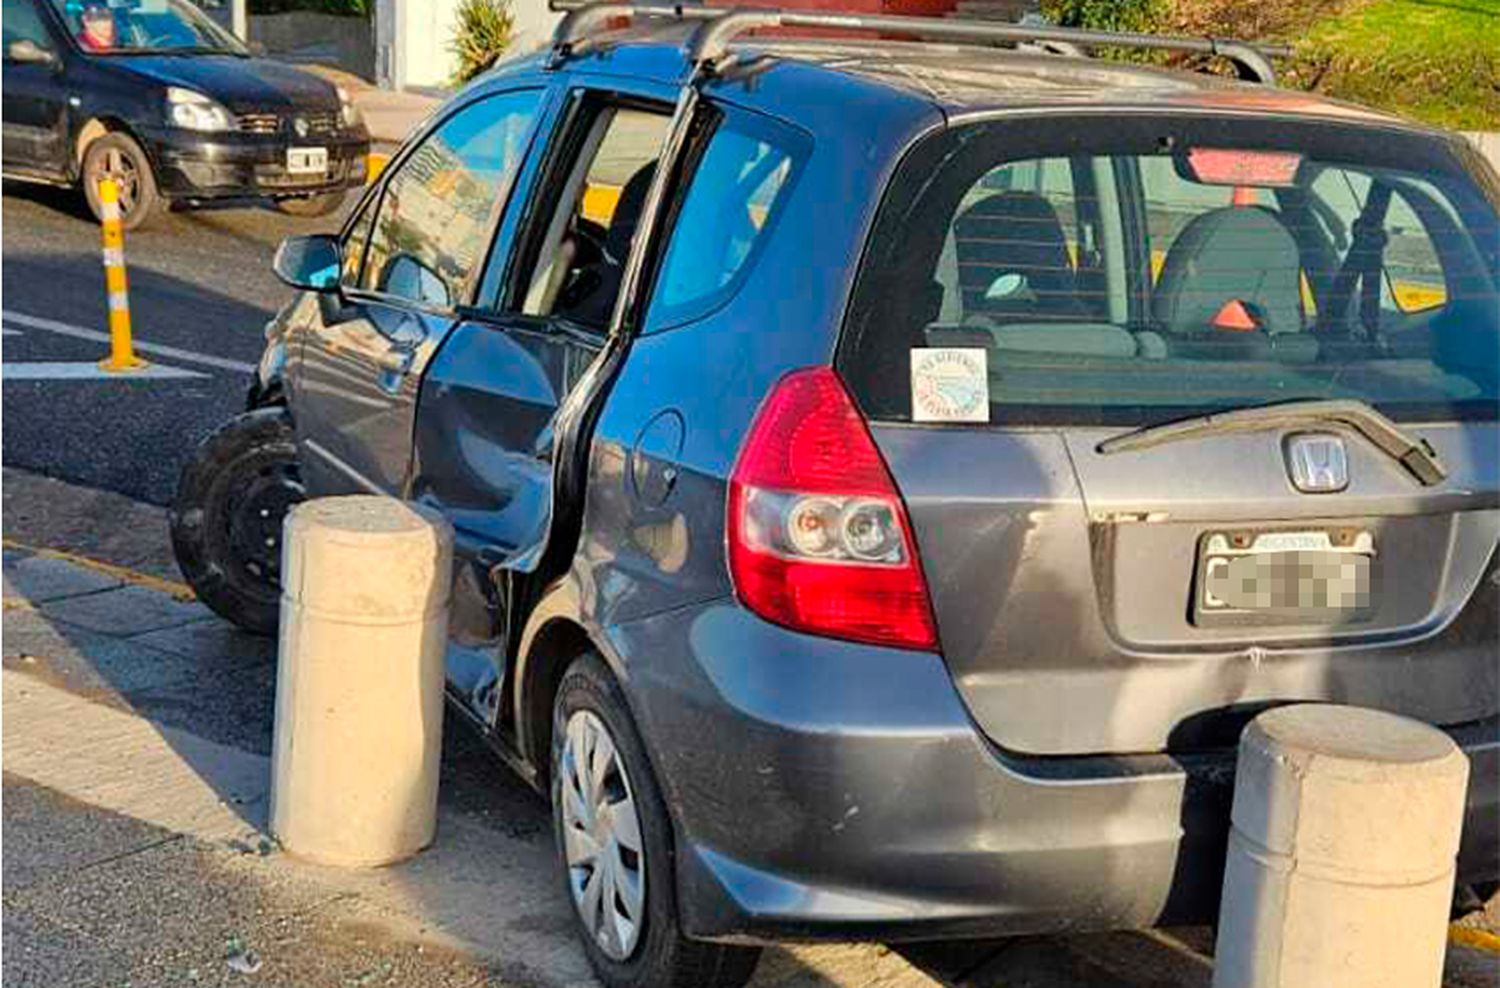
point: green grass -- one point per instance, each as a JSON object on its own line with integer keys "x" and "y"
{"x": 1437, "y": 60}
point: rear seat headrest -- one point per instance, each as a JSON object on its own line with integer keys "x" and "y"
{"x": 1234, "y": 254}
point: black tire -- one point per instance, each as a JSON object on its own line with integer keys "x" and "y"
{"x": 663, "y": 957}
{"x": 117, "y": 155}
{"x": 323, "y": 204}
{"x": 226, "y": 519}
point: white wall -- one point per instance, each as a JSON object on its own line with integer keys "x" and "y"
{"x": 534, "y": 24}
{"x": 1488, "y": 143}
{"x": 412, "y": 38}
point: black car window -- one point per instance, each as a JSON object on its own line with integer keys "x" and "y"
{"x": 23, "y": 22}
{"x": 143, "y": 25}
{"x": 434, "y": 217}
{"x": 737, "y": 190}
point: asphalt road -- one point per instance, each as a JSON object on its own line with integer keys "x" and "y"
{"x": 200, "y": 282}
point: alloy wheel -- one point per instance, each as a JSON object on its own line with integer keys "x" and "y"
{"x": 602, "y": 837}
{"x": 117, "y": 165}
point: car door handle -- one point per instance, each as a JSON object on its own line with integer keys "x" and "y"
{"x": 395, "y": 360}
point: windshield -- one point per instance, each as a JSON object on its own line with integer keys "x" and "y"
{"x": 123, "y": 27}
{"x": 1058, "y": 271}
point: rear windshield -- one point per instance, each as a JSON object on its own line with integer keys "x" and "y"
{"x": 1137, "y": 270}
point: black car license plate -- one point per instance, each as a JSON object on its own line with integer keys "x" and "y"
{"x": 1285, "y": 577}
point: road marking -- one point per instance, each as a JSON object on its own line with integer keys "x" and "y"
{"x": 180, "y": 591}
{"x": 81, "y": 333}
{"x": 86, "y": 370}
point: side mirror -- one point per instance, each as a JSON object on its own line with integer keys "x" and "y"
{"x": 313, "y": 263}
{"x": 29, "y": 52}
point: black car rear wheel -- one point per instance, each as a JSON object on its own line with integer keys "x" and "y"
{"x": 323, "y": 204}
{"x": 117, "y": 156}
{"x": 226, "y": 519}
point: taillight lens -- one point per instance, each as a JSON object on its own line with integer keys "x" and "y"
{"x": 819, "y": 540}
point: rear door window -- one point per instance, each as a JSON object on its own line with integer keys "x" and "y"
{"x": 1181, "y": 266}
{"x": 742, "y": 177}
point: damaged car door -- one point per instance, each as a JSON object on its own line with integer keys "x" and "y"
{"x": 409, "y": 262}
{"x": 507, "y": 396}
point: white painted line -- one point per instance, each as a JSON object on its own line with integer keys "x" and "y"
{"x": 84, "y": 370}
{"x": 81, "y": 333}
{"x": 10, "y": 332}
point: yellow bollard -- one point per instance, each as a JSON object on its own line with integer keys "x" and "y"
{"x": 122, "y": 358}
{"x": 375, "y": 163}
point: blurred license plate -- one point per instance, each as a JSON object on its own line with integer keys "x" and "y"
{"x": 306, "y": 161}
{"x": 1289, "y": 576}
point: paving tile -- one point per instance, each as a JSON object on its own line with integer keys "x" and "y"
{"x": 129, "y": 610}
{"x": 43, "y": 578}
{"x": 85, "y": 661}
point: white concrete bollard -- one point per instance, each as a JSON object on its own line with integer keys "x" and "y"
{"x": 359, "y": 689}
{"x": 1342, "y": 855}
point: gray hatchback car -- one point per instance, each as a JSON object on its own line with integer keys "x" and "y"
{"x": 887, "y": 475}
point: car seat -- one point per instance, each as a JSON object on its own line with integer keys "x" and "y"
{"x": 1231, "y": 287}
{"x": 590, "y": 297}
{"x": 1016, "y": 233}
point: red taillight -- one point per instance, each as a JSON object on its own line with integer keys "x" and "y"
{"x": 819, "y": 540}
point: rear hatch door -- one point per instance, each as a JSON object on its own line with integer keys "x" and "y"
{"x": 1034, "y": 294}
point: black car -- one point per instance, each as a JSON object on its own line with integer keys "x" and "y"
{"x": 156, "y": 96}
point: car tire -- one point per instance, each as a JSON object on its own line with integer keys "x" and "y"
{"x": 117, "y": 155}
{"x": 589, "y": 705}
{"x": 323, "y": 204}
{"x": 226, "y": 518}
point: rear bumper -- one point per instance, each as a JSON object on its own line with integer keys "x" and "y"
{"x": 827, "y": 790}
{"x": 226, "y": 166}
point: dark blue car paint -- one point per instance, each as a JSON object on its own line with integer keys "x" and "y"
{"x": 817, "y": 788}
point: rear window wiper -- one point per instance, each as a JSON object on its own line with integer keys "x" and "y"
{"x": 1414, "y": 453}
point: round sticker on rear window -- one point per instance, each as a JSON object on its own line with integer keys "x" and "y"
{"x": 950, "y": 384}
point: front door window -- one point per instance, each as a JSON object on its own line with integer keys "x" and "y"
{"x": 434, "y": 219}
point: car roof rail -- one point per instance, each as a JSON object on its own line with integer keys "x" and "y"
{"x": 720, "y": 26}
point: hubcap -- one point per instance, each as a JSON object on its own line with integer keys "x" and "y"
{"x": 601, "y": 837}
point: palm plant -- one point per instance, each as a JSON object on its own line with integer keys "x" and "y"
{"x": 484, "y": 31}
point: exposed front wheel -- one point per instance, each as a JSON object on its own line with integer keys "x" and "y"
{"x": 117, "y": 156}
{"x": 226, "y": 519}
{"x": 614, "y": 838}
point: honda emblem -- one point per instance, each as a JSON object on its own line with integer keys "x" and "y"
{"x": 1316, "y": 462}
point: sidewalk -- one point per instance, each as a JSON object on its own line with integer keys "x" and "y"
{"x": 136, "y": 733}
